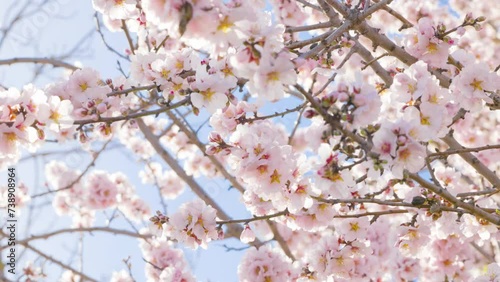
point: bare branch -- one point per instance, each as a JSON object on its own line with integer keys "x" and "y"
{"x": 45, "y": 61}
{"x": 83, "y": 276}
{"x": 127, "y": 34}
{"x": 255, "y": 218}
{"x": 473, "y": 161}
{"x": 89, "y": 230}
{"x": 450, "y": 198}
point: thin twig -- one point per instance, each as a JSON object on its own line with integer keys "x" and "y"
{"x": 74, "y": 182}
{"x": 129, "y": 39}
{"x": 103, "y": 39}
{"x": 83, "y": 276}
{"x": 255, "y": 218}
{"x": 46, "y": 61}
{"x": 132, "y": 116}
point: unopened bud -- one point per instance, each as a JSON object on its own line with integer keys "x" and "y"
{"x": 481, "y": 19}
{"x": 441, "y": 28}
{"x": 40, "y": 133}
{"x": 215, "y": 137}
{"x": 468, "y": 18}
{"x": 101, "y": 108}
{"x": 402, "y": 140}
{"x": 89, "y": 104}
{"x": 196, "y": 111}
{"x": 310, "y": 113}
{"x": 212, "y": 150}
{"x": 247, "y": 235}
{"x": 82, "y": 137}
{"x": 220, "y": 234}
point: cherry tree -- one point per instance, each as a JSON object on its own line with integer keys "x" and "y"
{"x": 362, "y": 137}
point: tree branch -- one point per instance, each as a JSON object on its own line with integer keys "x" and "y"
{"x": 233, "y": 230}
{"x": 46, "y": 61}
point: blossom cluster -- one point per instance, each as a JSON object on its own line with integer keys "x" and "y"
{"x": 391, "y": 155}
{"x": 81, "y": 198}
{"x": 193, "y": 224}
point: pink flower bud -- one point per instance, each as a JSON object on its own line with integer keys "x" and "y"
{"x": 89, "y": 104}
{"x": 220, "y": 234}
{"x": 82, "y": 137}
{"x": 402, "y": 140}
{"x": 247, "y": 235}
{"x": 81, "y": 112}
{"x": 102, "y": 107}
{"x": 310, "y": 113}
{"x": 343, "y": 97}
{"x": 40, "y": 133}
{"x": 212, "y": 150}
{"x": 215, "y": 137}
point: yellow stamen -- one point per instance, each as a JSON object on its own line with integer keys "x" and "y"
{"x": 404, "y": 154}
{"x": 225, "y": 25}
{"x": 354, "y": 226}
{"x": 55, "y": 116}
{"x": 84, "y": 86}
{"x": 273, "y": 76}
{"x": 275, "y": 177}
{"x": 476, "y": 84}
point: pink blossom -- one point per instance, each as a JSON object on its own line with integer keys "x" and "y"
{"x": 472, "y": 227}
{"x": 9, "y": 143}
{"x": 329, "y": 258}
{"x": 353, "y": 229}
{"x": 121, "y": 276}
{"x": 271, "y": 77}
{"x": 165, "y": 260}
{"x": 60, "y": 114}
{"x": 22, "y": 196}
{"x": 247, "y": 235}
{"x": 135, "y": 208}
{"x": 102, "y": 192}
{"x": 116, "y": 9}
{"x": 412, "y": 239}
{"x": 426, "y": 46}
{"x": 209, "y": 92}
{"x": 265, "y": 264}
{"x": 194, "y": 224}
{"x": 492, "y": 274}
{"x": 84, "y": 84}
{"x": 470, "y": 84}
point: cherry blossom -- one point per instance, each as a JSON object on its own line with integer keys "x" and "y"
{"x": 349, "y": 133}
{"x": 492, "y": 273}
{"x": 193, "y": 224}
{"x": 209, "y": 93}
{"x": 121, "y": 276}
{"x": 120, "y": 9}
{"x": 266, "y": 264}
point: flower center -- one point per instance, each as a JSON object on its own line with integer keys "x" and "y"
{"x": 477, "y": 84}
{"x": 225, "y": 25}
